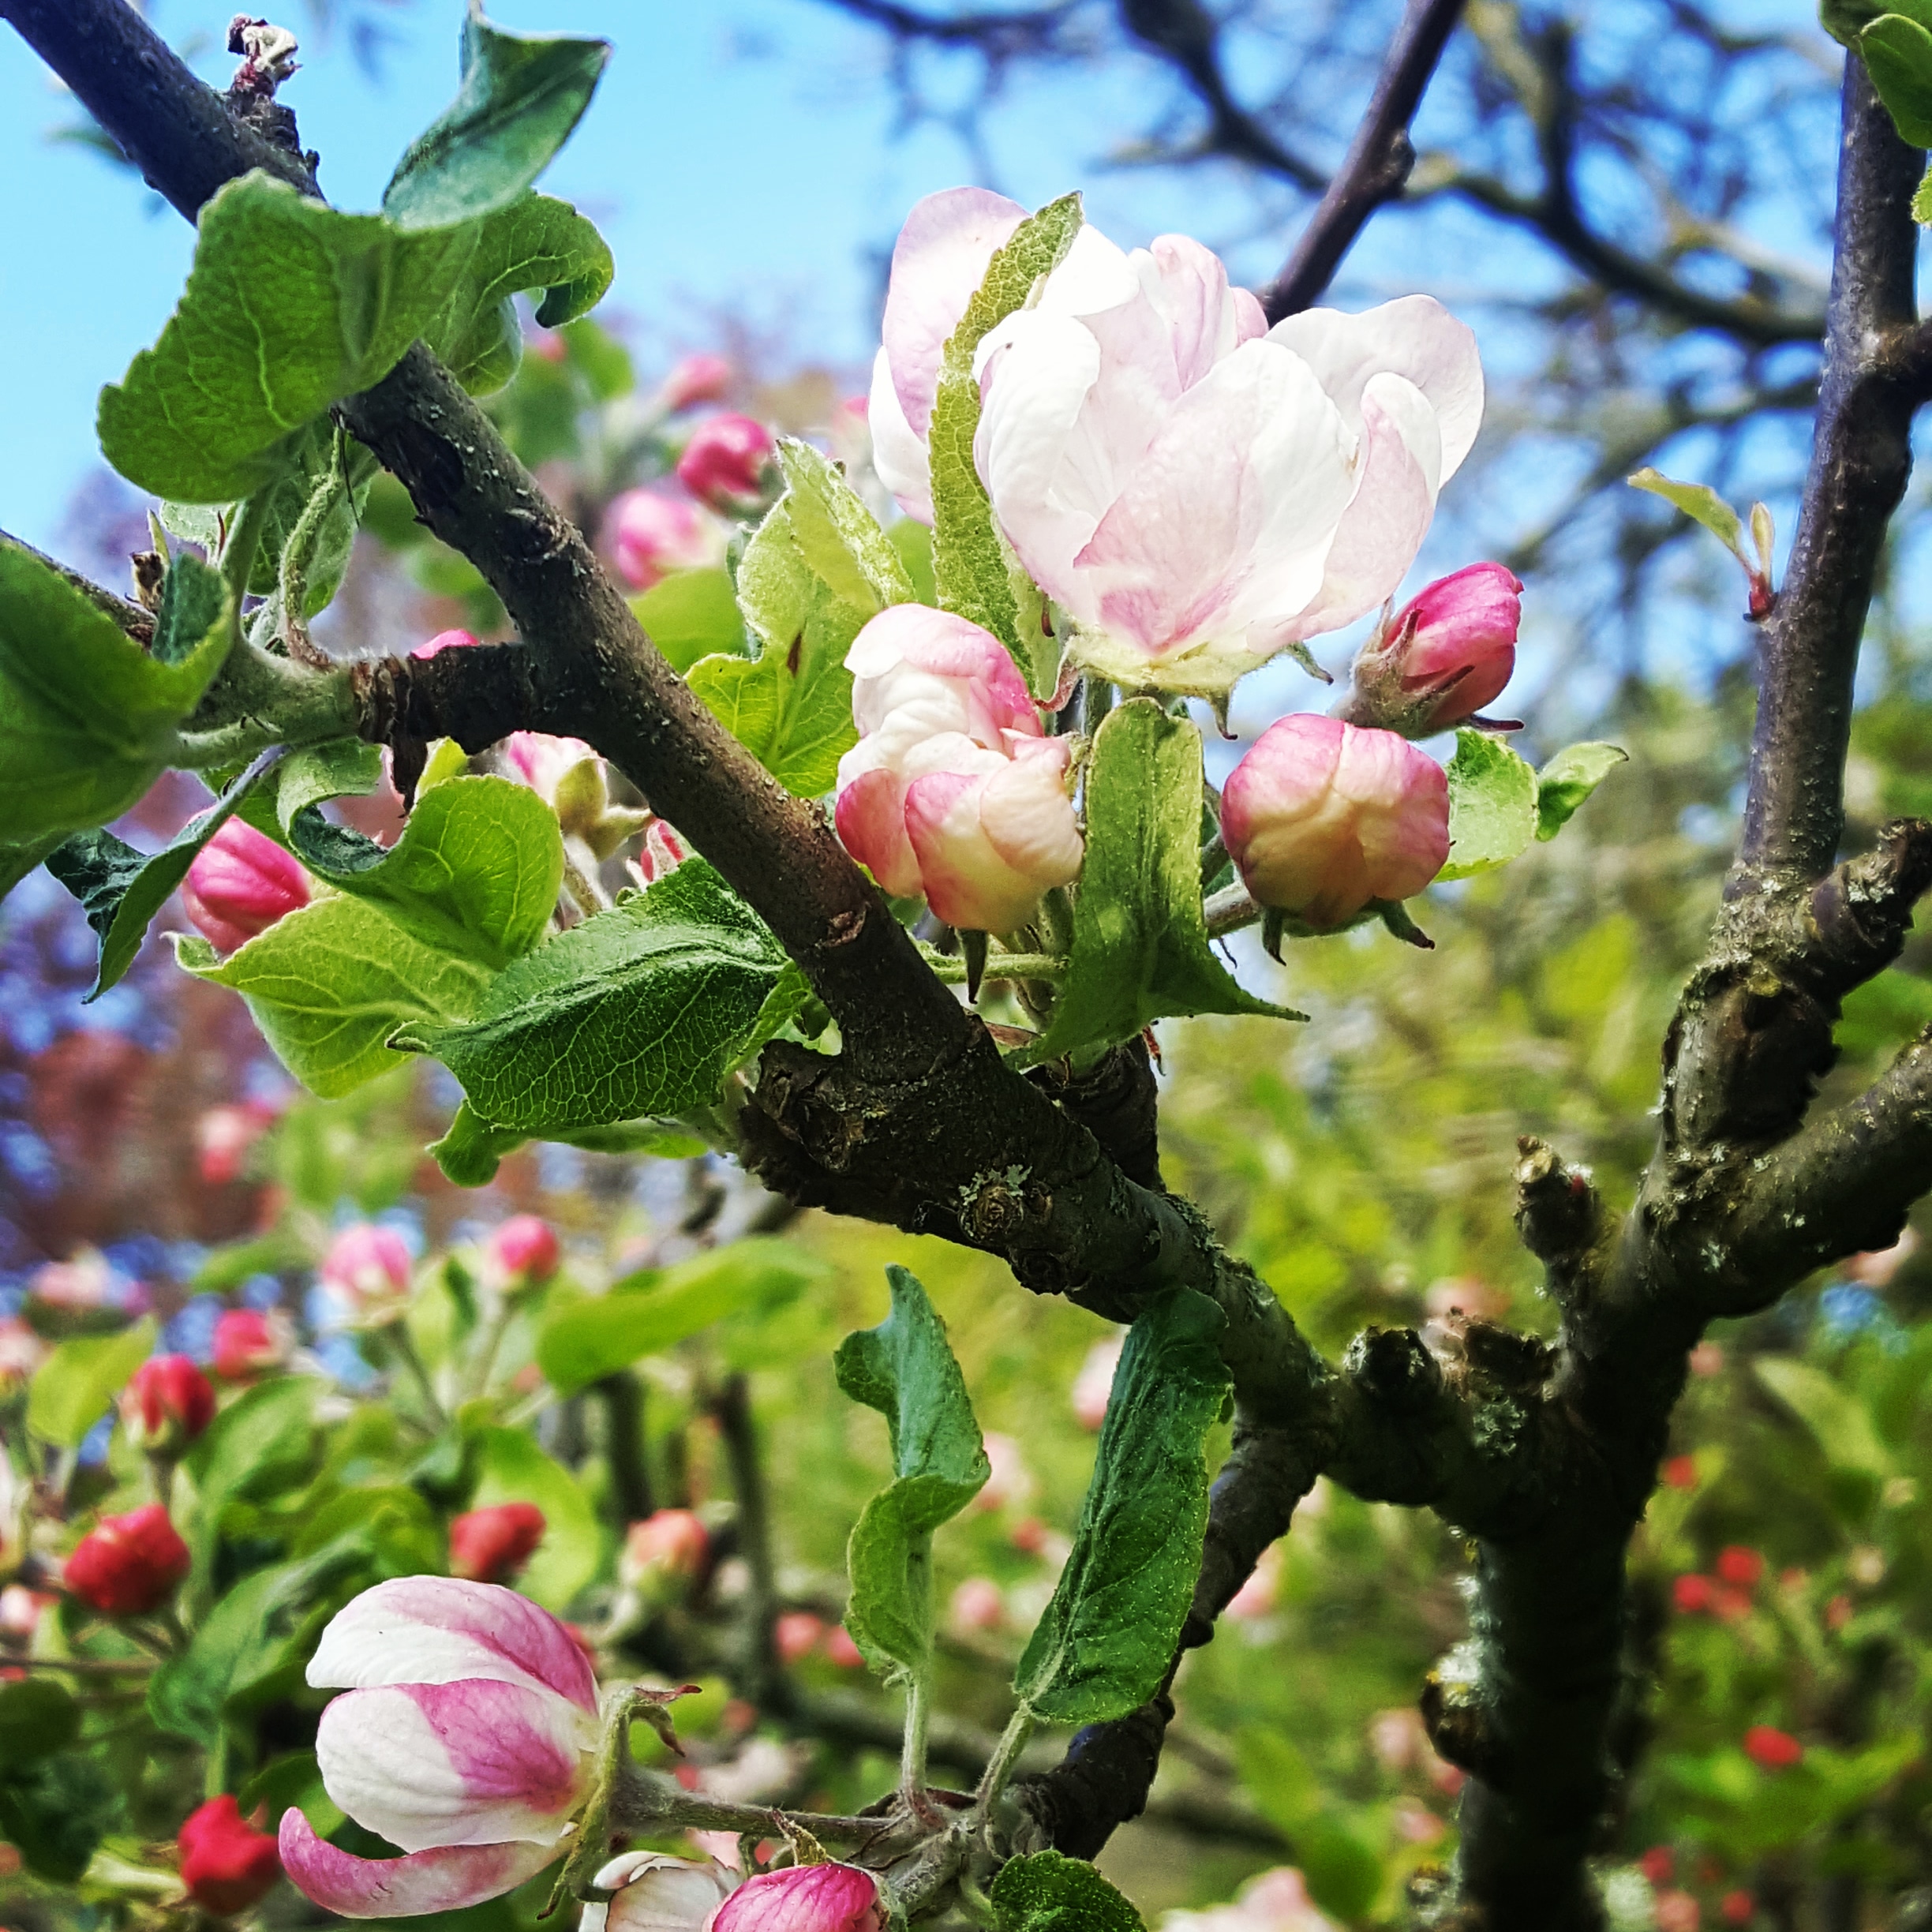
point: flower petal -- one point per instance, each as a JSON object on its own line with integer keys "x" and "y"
{"x": 439, "y": 1629}
{"x": 871, "y": 816}
{"x": 475, "y": 1763}
{"x": 898, "y": 452}
{"x": 442, "y": 1880}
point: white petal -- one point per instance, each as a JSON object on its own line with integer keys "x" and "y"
{"x": 442, "y": 1880}
{"x": 898, "y": 453}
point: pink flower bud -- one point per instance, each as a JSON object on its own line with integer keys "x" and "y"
{"x": 1442, "y": 657}
{"x": 978, "y": 1605}
{"x": 1677, "y": 1911}
{"x": 651, "y": 535}
{"x": 22, "y": 1353}
{"x": 446, "y": 640}
{"x": 1322, "y": 819}
{"x": 226, "y": 1864}
{"x": 804, "y": 1898}
{"x": 248, "y": 1342}
{"x": 366, "y": 1274}
{"x": 695, "y": 378}
{"x": 130, "y": 1565}
{"x": 76, "y": 1287}
{"x": 241, "y": 883}
{"x": 223, "y": 1136}
{"x": 542, "y": 762}
{"x": 490, "y": 1545}
{"x": 841, "y": 1648}
{"x": 166, "y": 1405}
{"x": 953, "y": 790}
{"x": 1738, "y": 1564}
{"x": 664, "y": 851}
{"x": 728, "y": 463}
{"x": 796, "y": 1634}
{"x": 21, "y": 1612}
{"x": 668, "y": 1548}
{"x": 1776, "y": 1750}
{"x": 523, "y": 1253}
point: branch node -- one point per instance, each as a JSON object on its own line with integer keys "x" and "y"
{"x": 1394, "y": 1368}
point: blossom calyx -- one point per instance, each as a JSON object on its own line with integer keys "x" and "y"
{"x": 166, "y": 1405}
{"x": 1444, "y": 655}
{"x": 240, "y": 882}
{"x": 805, "y": 1898}
{"x": 130, "y": 1564}
{"x": 226, "y": 1865}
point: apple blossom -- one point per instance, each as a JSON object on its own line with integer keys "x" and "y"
{"x": 1740, "y": 1565}
{"x": 130, "y": 1564}
{"x": 468, "y": 1736}
{"x": 1444, "y": 655}
{"x": 804, "y": 1898}
{"x": 248, "y": 1341}
{"x": 953, "y": 790}
{"x": 223, "y": 1136}
{"x": 728, "y": 463}
{"x": 446, "y": 640}
{"x": 664, "y": 851}
{"x": 651, "y": 535}
{"x": 166, "y": 1405}
{"x": 1275, "y": 1901}
{"x": 1323, "y": 819}
{"x": 978, "y": 1605}
{"x": 365, "y": 1276}
{"x": 664, "y": 1549}
{"x": 1776, "y": 1750}
{"x": 21, "y": 1612}
{"x": 22, "y": 1353}
{"x": 795, "y": 1635}
{"x": 490, "y": 1545}
{"x": 226, "y": 1864}
{"x": 523, "y": 1252}
{"x": 240, "y": 882}
{"x": 842, "y": 1648}
{"x": 651, "y": 1891}
{"x": 694, "y": 379}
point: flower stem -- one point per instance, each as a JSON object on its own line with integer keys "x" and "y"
{"x": 404, "y": 1349}
{"x": 912, "y": 1756}
{"x": 1001, "y": 966}
{"x": 1006, "y": 1755}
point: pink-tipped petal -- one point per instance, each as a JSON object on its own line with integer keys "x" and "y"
{"x": 442, "y": 1880}
{"x": 871, "y": 816}
{"x": 898, "y": 452}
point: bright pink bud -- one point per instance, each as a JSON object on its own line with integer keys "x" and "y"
{"x": 1681, "y": 1472}
{"x": 804, "y": 1898}
{"x": 651, "y": 535}
{"x": 1738, "y": 1908}
{"x": 166, "y": 1405}
{"x": 1776, "y": 1750}
{"x": 523, "y": 1253}
{"x": 695, "y": 378}
{"x": 130, "y": 1565}
{"x": 490, "y": 1545}
{"x": 1694, "y": 1595}
{"x": 1739, "y": 1565}
{"x": 1442, "y": 657}
{"x": 366, "y": 1274}
{"x": 668, "y": 1546}
{"x": 1658, "y": 1865}
{"x": 226, "y": 1865}
{"x": 797, "y": 1635}
{"x": 978, "y": 1605}
{"x": 248, "y": 1342}
{"x": 446, "y": 640}
{"x": 241, "y": 883}
{"x": 1323, "y": 819}
{"x": 727, "y": 463}
{"x": 1677, "y": 1911}
{"x": 664, "y": 851}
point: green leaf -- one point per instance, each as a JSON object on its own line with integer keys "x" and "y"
{"x": 646, "y": 1315}
{"x": 913, "y": 541}
{"x": 1104, "y": 1642}
{"x": 260, "y": 1445}
{"x": 56, "y": 1810}
{"x": 73, "y": 1389}
{"x": 1140, "y": 944}
{"x": 838, "y": 538}
{"x": 521, "y": 96}
{"x": 1700, "y": 502}
{"x": 514, "y": 1469}
{"x": 1492, "y": 806}
{"x": 1897, "y": 53}
{"x": 186, "y": 1694}
{"x": 87, "y": 716}
{"x": 38, "y": 1717}
{"x": 121, "y": 889}
{"x": 1921, "y": 199}
{"x": 329, "y": 984}
{"x": 290, "y": 306}
{"x": 690, "y": 614}
{"x": 640, "y": 1011}
{"x": 978, "y": 577}
{"x": 17, "y": 861}
{"x": 536, "y": 243}
{"x": 305, "y": 461}
{"x": 1568, "y": 779}
{"x": 1048, "y": 1892}
{"x": 905, "y": 1369}
{"x": 1841, "y": 1423}
{"x": 295, "y": 1778}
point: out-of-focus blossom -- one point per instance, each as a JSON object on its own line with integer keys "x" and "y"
{"x": 1677, "y": 1911}
{"x": 523, "y": 1253}
{"x": 543, "y": 763}
{"x": 240, "y": 882}
{"x": 651, "y": 1893}
{"x": 1737, "y": 1907}
{"x": 1658, "y": 1865}
{"x": 1256, "y": 1597}
{"x": 446, "y": 640}
{"x": 978, "y": 1605}
{"x": 1444, "y": 655}
{"x": 841, "y": 1649}
{"x": 1275, "y": 1901}
{"x": 491, "y": 1544}
{"x": 1470, "y": 1293}
{"x": 22, "y": 1353}
{"x": 130, "y": 1564}
{"x": 1694, "y": 1595}
{"x": 1323, "y": 819}
{"x": 651, "y": 535}
{"x": 728, "y": 463}
{"x": 226, "y": 1865}
{"x": 664, "y": 851}
{"x": 166, "y": 1405}
{"x": 1707, "y": 1359}
{"x": 249, "y": 1341}
{"x": 1738, "y": 1564}
{"x": 1011, "y": 1484}
{"x": 76, "y": 1286}
{"x": 796, "y": 1634}
{"x": 223, "y": 1136}
{"x": 695, "y": 378}
{"x": 1876, "y": 1269}
{"x": 1680, "y": 1472}
{"x": 1838, "y": 1612}
{"x": 365, "y": 1276}
{"x": 468, "y": 1736}
{"x": 1398, "y": 1740}
{"x": 21, "y": 1612}
{"x": 804, "y": 1898}
{"x": 1095, "y": 1382}
{"x": 760, "y": 1770}
{"x": 953, "y": 790}
{"x": 1775, "y": 1749}
{"x": 664, "y": 1552}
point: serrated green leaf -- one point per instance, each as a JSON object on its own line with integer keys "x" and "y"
{"x": 290, "y": 306}
{"x": 522, "y": 96}
{"x": 839, "y": 539}
{"x": 1845, "y": 20}
{"x": 331, "y": 982}
{"x": 1049, "y": 1892}
{"x": 73, "y": 1388}
{"x": 1568, "y": 779}
{"x": 979, "y": 578}
{"x": 186, "y": 1694}
{"x": 1700, "y": 502}
{"x": 1897, "y": 53}
{"x": 692, "y": 614}
{"x": 640, "y": 1011}
{"x": 905, "y": 1369}
{"x": 646, "y": 1315}
{"x": 1492, "y": 806}
{"x": 914, "y": 542}
{"x": 512, "y": 1468}
{"x": 260, "y": 1446}
{"x": 536, "y": 243}
{"x": 1140, "y": 946}
{"x": 1104, "y": 1642}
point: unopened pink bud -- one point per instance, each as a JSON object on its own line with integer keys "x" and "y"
{"x": 1322, "y": 819}
{"x": 842, "y": 1648}
{"x": 978, "y": 1605}
{"x": 223, "y": 1136}
{"x": 669, "y": 1546}
{"x": 366, "y": 1274}
{"x": 651, "y": 535}
{"x": 1443, "y": 656}
{"x": 523, "y": 1253}
{"x": 446, "y": 640}
{"x": 130, "y": 1565}
{"x": 166, "y": 1405}
{"x": 796, "y": 1634}
{"x": 490, "y": 1545}
{"x": 804, "y": 1898}
{"x": 241, "y": 883}
{"x": 226, "y": 1864}
{"x": 247, "y": 1342}
{"x": 727, "y": 463}
{"x": 695, "y": 378}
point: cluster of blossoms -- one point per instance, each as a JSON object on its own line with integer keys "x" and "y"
{"x": 1194, "y": 492}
